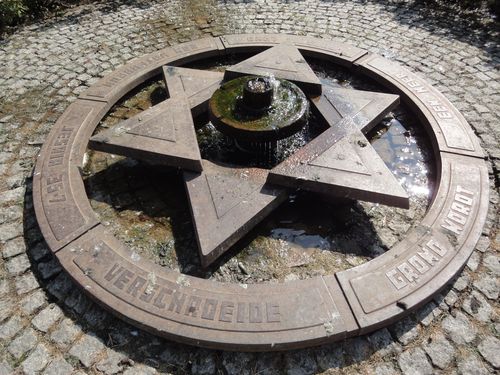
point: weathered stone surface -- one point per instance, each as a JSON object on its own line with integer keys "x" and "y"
{"x": 439, "y": 350}
{"x": 18, "y": 265}
{"x": 162, "y": 134}
{"x": 26, "y": 283}
{"x": 5, "y": 368}
{"x": 58, "y": 366}
{"x": 112, "y": 363}
{"x": 492, "y": 262}
{"x": 471, "y": 365}
{"x": 197, "y": 85}
{"x": 23, "y": 343}
{"x": 489, "y": 286}
{"x": 299, "y": 364}
{"x": 406, "y": 331}
{"x": 459, "y": 328}
{"x": 414, "y": 361}
{"x": 47, "y": 317}
{"x": 224, "y": 208}
{"x": 478, "y": 307}
{"x": 282, "y": 61}
{"x": 383, "y": 343}
{"x": 341, "y": 161}
{"x": 10, "y": 328}
{"x": 489, "y": 349}
{"x": 36, "y": 361}
{"x": 33, "y": 302}
{"x": 13, "y": 248}
{"x": 87, "y": 350}
{"x": 65, "y": 333}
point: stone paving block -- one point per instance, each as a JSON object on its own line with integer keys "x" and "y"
{"x": 18, "y": 265}
{"x": 11, "y": 327}
{"x": 459, "y": 328}
{"x": 6, "y": 308}
{"x": 490, "y": 350}
{"x": 13, "y": 247}
{"x": 405, "y": 330}
{"x": 203, "y": 363}
{"x": 49, "y": 269}
{"x": 428, "y": 313}
{"x": 489, "y": 286}
{"x": 439, "y": 350}
{"x": 478, "y": 307}
{"x": 87, "y": 350}
{"x": 26, "y": 283}
{"x": 65, "y": 333}
{"x": 47, "y": 317}
{"x": 23, "y": 343}
{"x": 386, "y": 369}
{"x": 36, "y": 361}
{"x": 30, "y": 303}
{"x": 300, "y": 363}
{"x": 58, "y": 366}
{"x": 12, "y": 196}
{"x": 112, "y": 362}
{"x": 60, "y": 286}
{"x": 492, "y": 263}
{"x": 414, "y": 361}
{"x": 10, "y": 231}
{"x": 140, "y": 370}
{"x": 5, "y": 368}
{"x": 471, "y": 365}
{"x": 383, "y": 343}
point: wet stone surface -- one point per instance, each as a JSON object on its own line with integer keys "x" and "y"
{"x": 457, "y": 55}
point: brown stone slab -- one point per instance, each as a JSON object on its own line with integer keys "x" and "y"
{"x": 62, "y": 208}
{"x": 410, "y": 273}
{"x": 348, "y": 167}
{"x": 163, "y": 134}
{"x": 226, "y": 203}
{"x": 283, "y": 61}
{"x": 122, "y": 80}
{"x": 197, "y": 85}
{"x": 203, "y": 312}
{"x": 327, "y": 49}
{"x": 449, "y": 130}
{"x": 336, "y": 103}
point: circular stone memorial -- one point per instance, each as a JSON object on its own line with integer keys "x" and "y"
{"x": 274, "y": 316}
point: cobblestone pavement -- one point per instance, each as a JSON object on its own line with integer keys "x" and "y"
{"x": 46, "y": 324}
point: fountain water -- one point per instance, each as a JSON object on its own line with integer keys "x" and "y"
{"x": 259, "y": 112}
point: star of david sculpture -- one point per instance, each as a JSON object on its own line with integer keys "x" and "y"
{"x": 226, "y": 201}
{"x": 247, "y": 104}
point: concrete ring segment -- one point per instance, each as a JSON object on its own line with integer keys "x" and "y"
{"x": 275, "y": 316}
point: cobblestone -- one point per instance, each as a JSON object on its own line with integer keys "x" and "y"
{"x": 10, "y": 328}
{"x": 414, "y": 362}
{"x": 23, "y": 343}
{"x": 489, "y": 349}
{"x": 13, "y": 248}
{"x": 58, "y": 366}
{"x": 87, "y": 350}
{"x": 46, "y": 64}
{"x": 439, "y": 350}
{"x": 36, "y": 361}
{"x": 47, "y": 317}
{"x": 18, "y": 265}
{"x": 459, "y": 328}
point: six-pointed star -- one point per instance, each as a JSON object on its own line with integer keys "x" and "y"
{"x": 226, "y": 202}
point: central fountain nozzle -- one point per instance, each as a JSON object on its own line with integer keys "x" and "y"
{"x": 258, "y": 112}
{"x": 258, "y": 93}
